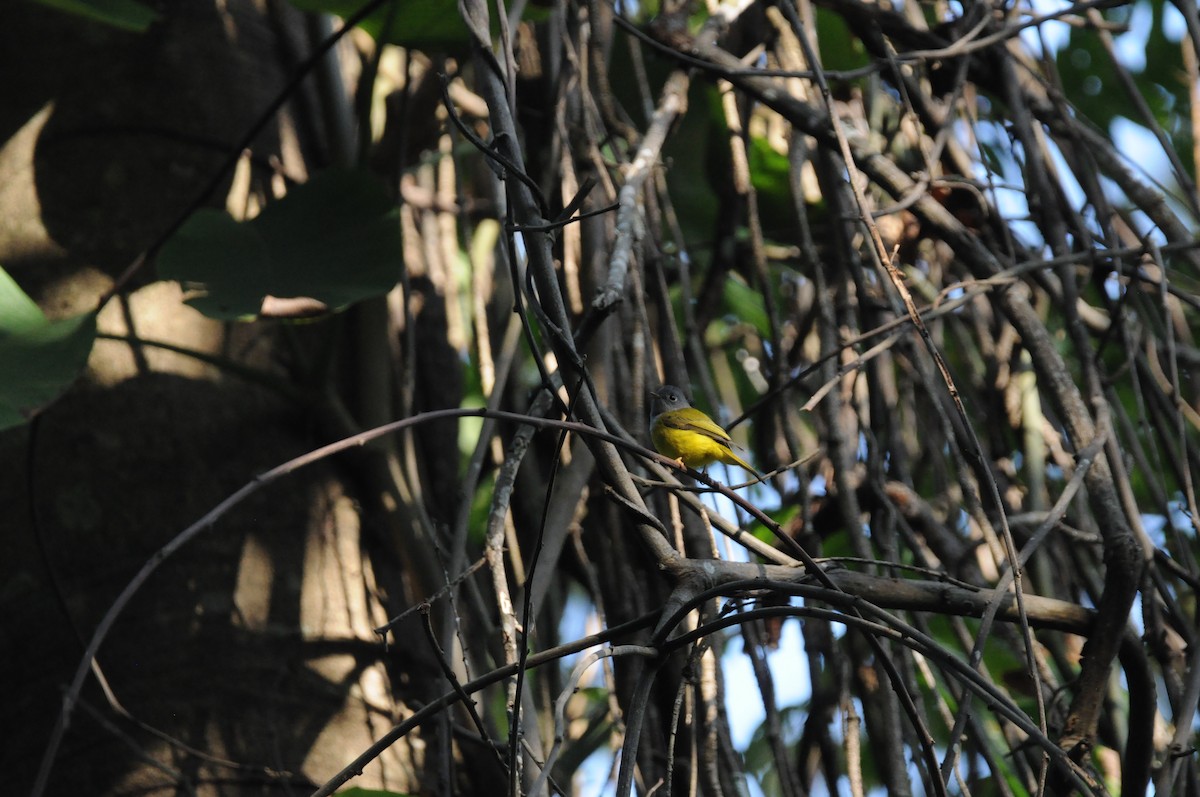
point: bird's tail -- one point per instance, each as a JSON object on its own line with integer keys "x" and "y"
{"x": 734, "y": 459}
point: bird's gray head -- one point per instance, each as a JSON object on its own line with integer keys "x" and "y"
{"x": 667, "y": 398}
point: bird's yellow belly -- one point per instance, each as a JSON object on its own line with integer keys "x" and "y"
{"x": 696, "y": 450}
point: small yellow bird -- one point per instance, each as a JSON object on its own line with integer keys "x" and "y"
{"x": 687, "y": 435}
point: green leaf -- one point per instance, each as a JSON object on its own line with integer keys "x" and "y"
{"x": 746, "y": 305}
{"x": 770, "y": 172}
{"x": 421, "y": 24}
{"x": 123, "y": 14}
{"x": 39, "y": 359}
{"x": 782, "y": 516}
{"x": 228, "y": 259}
{"x": 841, "y": 50}
{"x": 699, "y": 144}
{"x": 1089, "y": 79}
{"x": 335, "y": 239}
{"x": 481, "y": 506}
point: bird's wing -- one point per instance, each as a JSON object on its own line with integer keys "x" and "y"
{"x": 697, "y": 421}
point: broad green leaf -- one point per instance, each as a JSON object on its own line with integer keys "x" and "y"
{"x": 770, "y": 172}
{"x": 1088, "y": 78}
{"x": 335, "y": 239}
{"x": 228, "y": 259}
{"x": 782, "y": 515}
{"x": 841, "y": 50}
{"x": 758, "y": 755}
{"x": 39, "y": 359}
{"x": 123, "y": 14}
{"x": 697, "y": 154}
{"x": 1091, "y": 83}
{"x": 481, "y": 506}
{"x": 423, "y": 24}
{"x": 746, "y": 305}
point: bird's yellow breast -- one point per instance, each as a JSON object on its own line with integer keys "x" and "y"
{"x": 696, "y": 449}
